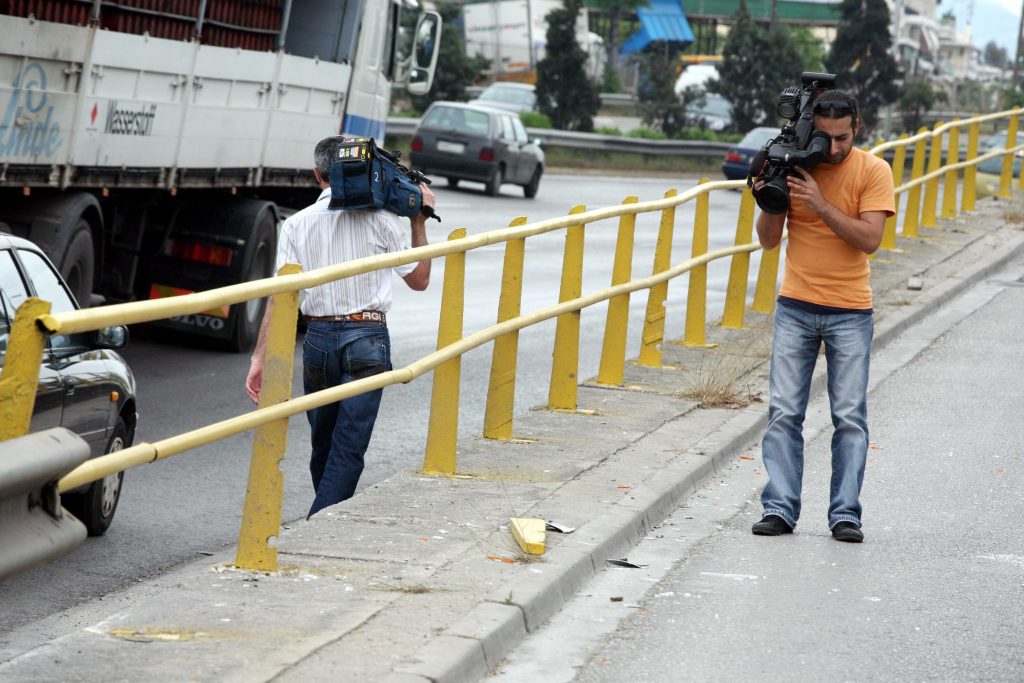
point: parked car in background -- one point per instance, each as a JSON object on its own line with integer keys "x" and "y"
{"x": 84, "y": 385}
{"x": 715, "y": 114}
{"x": 472, "y": 142}
{"x": 986, "y": 180}
{"x": 514, "y": 97}
{"x": 737, "y": 159}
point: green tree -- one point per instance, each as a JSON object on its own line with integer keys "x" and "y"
{"x": 455, "y": 70}
{"x": 756, "y": 65}
{"x": 917, "y": 97}
{"x": 564, "y": 93}
{"x": 996, "y": 55}
{"x": 615, "y": 10}
{"x": 659, "y": 105}
{"x": 860, "y": 56}
{"x": 811, "y": 50}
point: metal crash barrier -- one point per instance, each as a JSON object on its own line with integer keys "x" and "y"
{"x": 34, "y": 528}
{"x": 262, "y": 513}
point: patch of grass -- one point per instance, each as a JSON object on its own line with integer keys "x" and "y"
{"x": 629, "y": 162}
{"x": 1015, "y": 216}
{"x": 718, "y": 383}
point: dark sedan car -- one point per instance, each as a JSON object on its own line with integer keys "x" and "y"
{"x": 472, "y": 142}
{"x": 84, "y": 385}
{"x": 737, "y": 159}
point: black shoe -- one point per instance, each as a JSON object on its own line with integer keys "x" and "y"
{"x": 847, "y": 532}
{"x": 771, "y": 525}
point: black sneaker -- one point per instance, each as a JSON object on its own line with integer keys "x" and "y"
{"x": 771, "y": 525}
{"x": 847, "y": 532}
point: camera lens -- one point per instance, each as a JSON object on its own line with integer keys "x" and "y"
{"x": 773, "y": 197}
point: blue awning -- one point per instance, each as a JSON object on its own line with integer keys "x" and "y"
{"x": 662, "y": 20}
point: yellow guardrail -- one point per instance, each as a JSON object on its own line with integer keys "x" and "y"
{"x": 262, "y": 513}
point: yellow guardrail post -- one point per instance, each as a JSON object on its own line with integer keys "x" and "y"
{"x": 1006, "y": 177}
{"x": 971, "y": 172}
{"x": 952, "y": 157}
{"x": 697, "y": 291}
{"x": 898, "y": 162}
{"x": 443, "y": 430}
{"x": 264, "y": 494}
{"x": 739, "y": 269}
{"x": 19, "y": 379}
{"x": 931, "y": 187}
{"x": 566, "y": 356}
{"x": 767, "y": 276}
{"x": 613, "y": 350}
{"x": 911, "y": 218}
{"x": 501, "y": 387}
{"x": 654, "y": 319}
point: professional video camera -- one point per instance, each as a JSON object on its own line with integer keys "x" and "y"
{"x": 798, "y": 144}
{"x": 364, "y": 176}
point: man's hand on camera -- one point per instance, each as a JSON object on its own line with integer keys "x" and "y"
{"x": 428, "y": 195}
{"x": 804, "y": 188}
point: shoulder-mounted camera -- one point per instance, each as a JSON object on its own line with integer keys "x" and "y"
{"x": 798, "y": 143}
{"x": 364, "y": 176}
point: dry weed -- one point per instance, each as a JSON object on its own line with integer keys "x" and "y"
{"x": 1015, "y": 217}
{"x": 718, "y": 382}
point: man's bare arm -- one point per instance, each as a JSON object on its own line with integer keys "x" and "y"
{"x": 769, "y": 229}
{"x": 862, "y": 232}
{"x": 419, "y": 278}
{"x": 254, "y": 381}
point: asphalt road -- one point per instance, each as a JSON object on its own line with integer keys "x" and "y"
{"x": 174, "y": 510}
{"x": 935, "y": 592}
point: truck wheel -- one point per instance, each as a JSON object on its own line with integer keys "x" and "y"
{"x": 96, "y": 505}
{"x": 494, "y": 184}
{"x": 78, "y": 264}
{"x": 259, "y": 264}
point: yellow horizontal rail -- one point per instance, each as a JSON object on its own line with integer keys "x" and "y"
{"x": 144, "y": 453}
{"x": 87, "y": 319}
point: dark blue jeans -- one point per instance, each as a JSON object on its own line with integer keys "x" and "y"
{"x": 334, "y": 353}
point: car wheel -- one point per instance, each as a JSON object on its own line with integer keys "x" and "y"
{"x": 494, "y": 184}
{"x": 453, "y": 183}
{"x": 96, "y": 505}
{"x": 530, "y": 188}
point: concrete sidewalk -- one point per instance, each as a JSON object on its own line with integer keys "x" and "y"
{"x": 418, "y": 579}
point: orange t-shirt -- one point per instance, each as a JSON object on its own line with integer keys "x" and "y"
{"x": 821, "y": 267}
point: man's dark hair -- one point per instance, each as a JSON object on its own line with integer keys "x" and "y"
{"x": 324, "y": 153}
{"x": 837, "y": 104}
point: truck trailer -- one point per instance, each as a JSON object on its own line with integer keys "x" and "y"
{"x": 148, "y": 146}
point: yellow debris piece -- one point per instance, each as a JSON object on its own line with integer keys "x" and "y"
{"x": 529, "y": 534}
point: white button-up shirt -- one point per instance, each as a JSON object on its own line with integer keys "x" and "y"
{"x": 316, "y": 237}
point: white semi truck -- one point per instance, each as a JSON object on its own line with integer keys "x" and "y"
{"x": 146, "y": 145}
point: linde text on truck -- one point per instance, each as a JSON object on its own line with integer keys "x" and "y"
{"x": 147, "y": 146}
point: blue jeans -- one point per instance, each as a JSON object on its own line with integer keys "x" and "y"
{"x": 797, "y": 337}
{"x": 334, "y": 353}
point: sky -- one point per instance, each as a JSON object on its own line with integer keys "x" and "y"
{"x": 996, "y": 20}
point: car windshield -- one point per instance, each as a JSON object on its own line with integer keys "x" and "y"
{"x": 716, "y": 105}
{"x": 521, "y": 96}
{"x": 756, "y": 138}
{"x": 458, "y": 119}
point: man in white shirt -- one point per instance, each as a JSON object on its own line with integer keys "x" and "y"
{"x": 347, "y": 335}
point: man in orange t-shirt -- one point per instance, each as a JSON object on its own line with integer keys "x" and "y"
{"x": 835, "y": 219}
